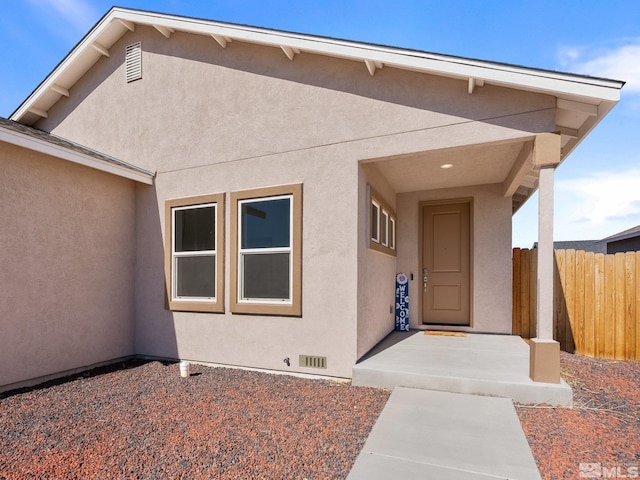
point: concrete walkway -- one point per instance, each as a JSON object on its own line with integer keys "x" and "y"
{"x": 426, "y": 434}
{"x": 495, "y": 365}
{"x": 451, "y": 413}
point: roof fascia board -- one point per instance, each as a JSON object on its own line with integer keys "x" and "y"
{"x": 41, "y": 146}
{"x": 540, "y": 80}
{"x": 92, "y": 36}
{"x": 619, "y": 237}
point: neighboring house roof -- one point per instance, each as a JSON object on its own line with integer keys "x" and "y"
{"x": 37, "y": 140}
{"x": 596, "y": 246}
{"x": 630, "y": 233}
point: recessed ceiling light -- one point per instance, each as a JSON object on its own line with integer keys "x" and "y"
{"x": 446, "y": 165}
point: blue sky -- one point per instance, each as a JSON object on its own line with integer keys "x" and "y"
{"x": 597, "y": 188}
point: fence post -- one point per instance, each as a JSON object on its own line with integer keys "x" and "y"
{"x": 515, "y": 292}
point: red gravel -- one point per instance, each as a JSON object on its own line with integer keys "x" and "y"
{"x": 144, "y": 421}
{"x": 602, "y": 427}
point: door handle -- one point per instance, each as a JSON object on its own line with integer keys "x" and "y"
{"x": 425, "y": 270}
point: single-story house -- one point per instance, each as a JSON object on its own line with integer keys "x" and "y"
{"x": 190, "y": 189}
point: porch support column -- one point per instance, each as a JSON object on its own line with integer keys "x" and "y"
{"x": 544, "y": 358}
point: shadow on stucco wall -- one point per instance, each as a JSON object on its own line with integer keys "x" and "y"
{"x": 155, "y": 333}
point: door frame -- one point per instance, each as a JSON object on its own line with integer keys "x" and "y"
{"x": 431, "y": 203}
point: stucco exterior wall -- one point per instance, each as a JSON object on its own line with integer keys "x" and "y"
{"x": 376, "y": 270}
{"x": 328, "y": 278}
{"x": 212, "y": 120}
{"x": 66, "y": 266}
{"x": 491, "y": 246}
{"x": 198, "y": 104}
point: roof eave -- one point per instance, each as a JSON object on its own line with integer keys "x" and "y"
{"x": 118, "y": 20}
{"x": 38, "y": 145}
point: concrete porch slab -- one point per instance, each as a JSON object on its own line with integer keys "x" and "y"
{"x": 480, "y": 364}
{"x": 427, "y": 434}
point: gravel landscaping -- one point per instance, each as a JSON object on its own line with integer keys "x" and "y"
{"x": 141, "y": 420}
{"x": 601, "y": 430}
{"x": 146, "y": 422}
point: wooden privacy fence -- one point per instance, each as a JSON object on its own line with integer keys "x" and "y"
{"x": 596, "y": 301}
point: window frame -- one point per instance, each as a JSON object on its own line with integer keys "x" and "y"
{"x": 292, "y": 307}
{"x": 392, "y": 233}
{"x": 384, "y": 228}
{"x": 375, "y": 227}
{"x": 195, "y": 304}
{"x": 381, "y": 238}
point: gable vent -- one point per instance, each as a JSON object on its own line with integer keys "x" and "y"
{"x": 133, "y": 61}
{"x": 313, "y": 362}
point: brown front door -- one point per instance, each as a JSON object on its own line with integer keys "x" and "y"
{"x": 446, "y": 264}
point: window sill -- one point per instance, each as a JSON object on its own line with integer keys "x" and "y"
{"x": 201, "y": 307}
{"x": 381, "y": 248}
{"x": 286, "y": 310}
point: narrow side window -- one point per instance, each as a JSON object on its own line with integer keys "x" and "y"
{"x": 382, "y": 225}
{"x": 384, "y": 228}
{"x": 392, "y": 233}
{"x": 375, "y": 221}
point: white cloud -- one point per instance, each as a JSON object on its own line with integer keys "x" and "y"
{"x": 568, "y": 55}
{"x": 597, "y": 205}
{"x": 79, "y": 13}
{"x": 619, "y": 63}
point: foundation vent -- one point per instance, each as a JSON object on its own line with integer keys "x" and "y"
{"x": 313, "y": 362}
{"x": 133, "y": 61}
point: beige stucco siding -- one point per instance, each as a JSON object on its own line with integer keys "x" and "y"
{"x": 66, "y": 265}
{"x": 199, "y": 104}
{"x": 329, "y": 265}
{"x": 376, "y": 270}
{"x": 212, "y": 120}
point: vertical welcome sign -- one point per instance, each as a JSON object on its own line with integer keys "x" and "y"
{"x": 402, "y": 303}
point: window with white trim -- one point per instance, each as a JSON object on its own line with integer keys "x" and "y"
{"x": 384, "y": 228}
{"x": 375, "y": 221}
{"x": 265, "y": 249}
{"x": 193, "y": 265}
{"x": 392, "y": 233}
{"x": 382, "y": 231}
{"x": 266, "y": 261}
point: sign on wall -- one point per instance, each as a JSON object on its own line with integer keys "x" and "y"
{"x": 402, "y": 303}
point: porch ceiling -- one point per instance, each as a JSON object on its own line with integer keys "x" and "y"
{"x": 507, "y": 162}
{"x": 469, "y": 165}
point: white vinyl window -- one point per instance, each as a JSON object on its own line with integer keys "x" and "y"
{"x": 264, "y": 250}
{"x": 194, "y": 253}
{"x": 382, "y": 225}
{"x": 392, "y": 233}
{"x": 375, "y": 221}
{"x": 384, "y": 228}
